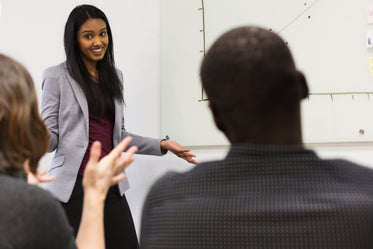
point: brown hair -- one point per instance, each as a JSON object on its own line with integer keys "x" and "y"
{"x": 23, "y": 134}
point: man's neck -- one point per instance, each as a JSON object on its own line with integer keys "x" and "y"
{"x": 288, "y": 133}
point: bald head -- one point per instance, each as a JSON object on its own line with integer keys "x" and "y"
{"x": 250, "y": 79}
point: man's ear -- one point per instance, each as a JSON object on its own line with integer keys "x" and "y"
{"x": 217, "y": 118}
{"x": 303, "y": 85}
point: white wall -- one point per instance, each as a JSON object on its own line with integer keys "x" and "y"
{"x": 137, "y": 31}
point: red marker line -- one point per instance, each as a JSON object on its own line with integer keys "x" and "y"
{"x": 296, "y": 18}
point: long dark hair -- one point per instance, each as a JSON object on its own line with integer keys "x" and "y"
{"x": 110, "y": 85}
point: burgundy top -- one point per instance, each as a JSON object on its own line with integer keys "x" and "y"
{"x": 100, "y": 129}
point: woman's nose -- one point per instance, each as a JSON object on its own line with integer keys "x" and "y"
{"x": 97, "y": 41}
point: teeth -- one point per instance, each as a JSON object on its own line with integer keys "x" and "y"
{"x": 97, "y": 50}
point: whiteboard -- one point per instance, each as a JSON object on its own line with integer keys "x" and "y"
{"x": 328, "y": 41}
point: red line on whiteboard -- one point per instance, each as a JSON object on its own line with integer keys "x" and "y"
{"x": 296, "y": 18}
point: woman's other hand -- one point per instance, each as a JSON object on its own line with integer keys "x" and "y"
{"x": 178, "y": 150}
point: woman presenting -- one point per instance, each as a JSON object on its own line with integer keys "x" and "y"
{"x": 82, "y": 102}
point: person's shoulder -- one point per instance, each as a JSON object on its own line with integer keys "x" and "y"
{"x": 347, "y": 183}
{"x": 32, "y": 208}
{"x": 167, "y": 180}
{"x": 55, "y": 75}
{"x": 179, "y": 181}
{"x": 119, "y": 73}
{"x": 351, "y": 171}
{"x": 21, "y": 198}
{"x": 19, "y": 190}
{"x": 55, "y": 71}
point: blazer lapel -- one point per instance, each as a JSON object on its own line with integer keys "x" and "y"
{"x": 118, "y": 122}
{"x": 80, "y": 97}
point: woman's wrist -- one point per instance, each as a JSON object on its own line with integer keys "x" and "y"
{"x": 164, "y": 147}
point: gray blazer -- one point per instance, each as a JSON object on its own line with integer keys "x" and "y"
{"x": 65, "y": 111}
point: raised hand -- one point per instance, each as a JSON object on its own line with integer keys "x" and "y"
{"x": 100, "y": 175}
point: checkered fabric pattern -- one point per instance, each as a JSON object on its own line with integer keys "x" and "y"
{"x": 262, "y": 196}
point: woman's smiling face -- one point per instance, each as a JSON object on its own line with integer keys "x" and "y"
{"x": 93, "y": 40}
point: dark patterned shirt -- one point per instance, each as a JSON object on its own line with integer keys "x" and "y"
{"x": 262, "y": 197}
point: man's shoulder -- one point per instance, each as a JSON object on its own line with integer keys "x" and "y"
{"x": 209, "y": 172}
{"x": 351, "y": 170}
{"x": 177, "y": 182}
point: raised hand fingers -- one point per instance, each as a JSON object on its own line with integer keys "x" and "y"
{"x": 129, "y": 153}
{"x": 122, "y": 162}
{"x": 95, "y": 152}
{"x": 116, "y": 152}
{"x": 117, "y": 178}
